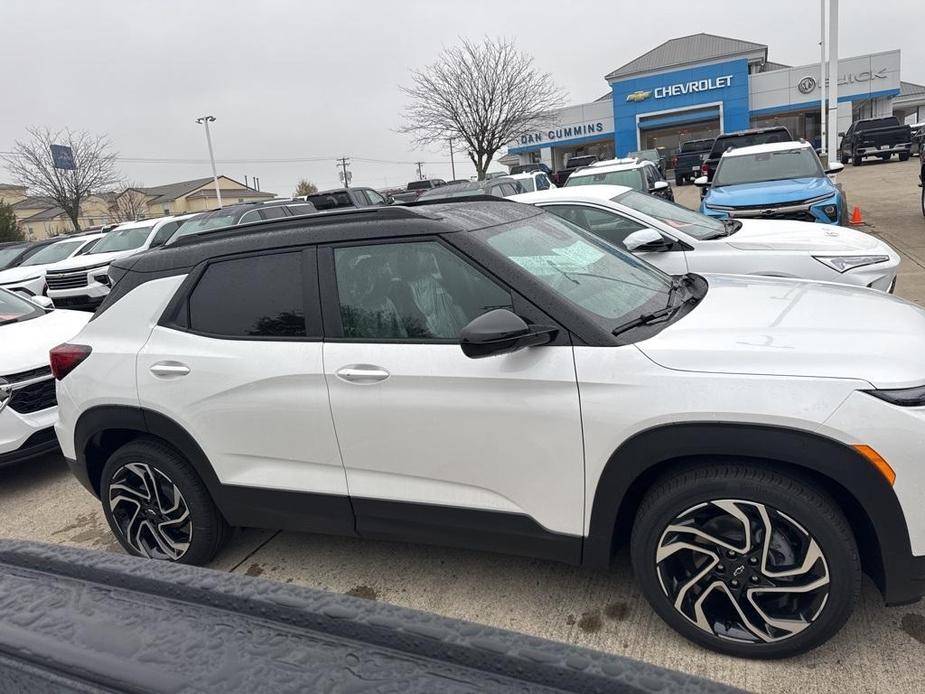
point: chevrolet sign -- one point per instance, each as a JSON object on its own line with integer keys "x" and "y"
{"x": 638, "y": 96}
{"x": 681, "y": 88}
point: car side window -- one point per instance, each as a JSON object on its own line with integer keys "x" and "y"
{"x": 252, "y": 216}
{"x": 415, "y": 291}
{"x": 604, "y": 224}
{"x": 542, "y": 183}
{"x": 374, "y": 197}
{"x": 274, "y": 212}
{"x": 164, "y": 233}
{"x": 252, "y": 297}
{"x": 650, "y": 178}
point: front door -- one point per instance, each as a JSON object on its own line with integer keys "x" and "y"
{"x": 439, "y": 447}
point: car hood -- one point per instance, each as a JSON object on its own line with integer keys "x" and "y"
{"x": 770, "y": 192}
{"x": 791, "y": 235}
{"x": 83, "y": 261}
{"x": 16, "y": 274}
{"x": 26, "y": 344}
{"x": 780, "y": 327}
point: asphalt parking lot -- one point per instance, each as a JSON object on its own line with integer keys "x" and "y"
{"x": 879, "y": 650}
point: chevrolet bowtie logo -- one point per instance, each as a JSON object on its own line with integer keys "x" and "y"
{"x": 638, "y": 96}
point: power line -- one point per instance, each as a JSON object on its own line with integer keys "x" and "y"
{"x": 290, "y": 160}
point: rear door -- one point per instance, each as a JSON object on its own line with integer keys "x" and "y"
{"x": 438, "y": 446}
{"x": 238, "y": 364}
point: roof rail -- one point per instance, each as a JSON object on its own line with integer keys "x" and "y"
{"x": 458, "y": 198}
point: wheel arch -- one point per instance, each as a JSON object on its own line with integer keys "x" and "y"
{"x": 863, "y": 495}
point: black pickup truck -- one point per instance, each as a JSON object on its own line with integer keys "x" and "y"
{"x": 875, "y": 137}
{"x": 690, "y": 159}
{"x": 742, "y": 138}
{"x": 572, "y": 165}
{"x": 415, "y": 188}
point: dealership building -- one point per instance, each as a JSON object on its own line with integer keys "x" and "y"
{"x": 698, "y": 86}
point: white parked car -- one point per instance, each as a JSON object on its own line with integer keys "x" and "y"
{"x": 638, "y": 174}
{"x": 678, "y": 240}
{"x": 28, "y": 278}
{"x": 27, "y": 390}
{"x": 485, "y": 374}
{"x": 83, "y": 281}
{"x": 532, "y": 181}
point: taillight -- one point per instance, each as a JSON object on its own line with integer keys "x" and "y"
{"x": 67, "y": 357}
{"x": 705, "y": 169}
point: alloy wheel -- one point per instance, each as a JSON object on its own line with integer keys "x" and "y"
{"x": 150, "y": 512}
{"x": 742, "y": 571}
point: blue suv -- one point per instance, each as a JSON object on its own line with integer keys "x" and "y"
{"x": 781, "y": 180}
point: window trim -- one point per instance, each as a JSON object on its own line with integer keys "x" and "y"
{"x": 176, "y": 314}
{"x": 330, "y": 300}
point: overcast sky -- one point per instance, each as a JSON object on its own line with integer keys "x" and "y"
{"x": 318, "y": 80}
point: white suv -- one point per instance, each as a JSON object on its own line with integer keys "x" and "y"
{"x": 678, "y": 240}
{"x": 485, "y": 374}
{"x": 28, "y": 278}
{"x": 83, "y": 281}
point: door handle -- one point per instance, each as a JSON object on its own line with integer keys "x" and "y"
{"x": 362, "y": 374}
{"x": 169, "y": 369}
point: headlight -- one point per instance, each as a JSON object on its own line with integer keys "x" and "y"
{"x": 904, "y": 397}
{"x": 843, "y": 263}
{"x": 818, "y": 198}
{"x": 722, "y": 208}
{"x": 830, "y": 211}
{"x": 27, "y": 279}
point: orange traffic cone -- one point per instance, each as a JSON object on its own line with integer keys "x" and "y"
{"x": 856, "y": 216}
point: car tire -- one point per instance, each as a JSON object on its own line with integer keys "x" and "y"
{"x": 904, "y": 156}
{"x": 923, "y": 201}
{"x": 679, "y": 180}
{"x": 844, "y": 160}
{"x": 718, "y": 592}
{"x": 857, "y": 161}
{"x": 180, "y": 523}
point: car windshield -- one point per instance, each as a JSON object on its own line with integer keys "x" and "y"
{"x": 605, "y": 281}
{"x": 700, "y": 226}
{"x": 14, "y": 309}
{"x": 54, "y": 252}
{"x": 122, "y": 240}
{"x": 627, "y": 177}
{"x": 7, "y": 255}
{"x": 799, "y": 162}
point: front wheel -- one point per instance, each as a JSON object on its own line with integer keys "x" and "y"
{"x": 746, "y": 561}
{"x": 857, "y": 161}
{"x": 158, "y": 507}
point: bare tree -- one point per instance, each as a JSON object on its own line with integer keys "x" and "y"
{"x": 129, "y": 203}
{"x": 30, "y": 164}
{"x": 304, "y": 187}
{"x": 486, "y": 94}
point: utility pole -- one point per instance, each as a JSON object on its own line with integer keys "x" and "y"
{"x": 205, "y": 120}
{"x": 344, "y": 175}
{"x": 452, "y": 162}
{"x": 420, "y": 170}
{"x": 823, "y": 69}
{"x": 833, "y": 79}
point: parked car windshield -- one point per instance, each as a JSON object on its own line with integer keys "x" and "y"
{"x": 122, "y": 240}
{"x": 54, "y": 252}
{"x": 609, "y": 283}
{"x": 799, "y": 162}
{"x": 14, "y": 309}
{"x": 700, "y": 226}
{"x": 627, "y": 177}
{"x": 7, "y": 255}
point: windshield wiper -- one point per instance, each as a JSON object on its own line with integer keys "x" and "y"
{"x": 662, "y": 314}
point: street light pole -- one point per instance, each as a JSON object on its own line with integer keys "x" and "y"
{"x": 823, "y": 78}
{"x": 833, "y": 80}
{"x": 452, "y": 161}
{"x": 205, "y": 120}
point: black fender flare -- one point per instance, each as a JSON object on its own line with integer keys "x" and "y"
{"x": 647, "y": 453}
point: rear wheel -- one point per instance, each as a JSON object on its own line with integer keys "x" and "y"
{"x": 857, "y": 161}
{"x": 904, "y": 156}
{"x": 157, "y": 506}
{"x": 679, "y": 180}
{"x": 844, "y": 160}
{"x": 746, "y": 561}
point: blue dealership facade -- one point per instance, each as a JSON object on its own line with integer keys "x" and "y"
{"x": 698, "y": 86}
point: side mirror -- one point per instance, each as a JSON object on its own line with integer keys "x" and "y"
{"x": 501, "y": 332}
{"x": 646, "y": 240}
{"x": 841, "y": 134}
{"x": 658, "y": 185}
{"x": 389, "y": 200}
{"x": 702, "y": 182}
{"x": 42, "y": 301}
{"x": 835, "y": 167}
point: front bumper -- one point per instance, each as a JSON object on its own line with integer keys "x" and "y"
{"x": 78, "y": 289}
{"x": 827, "y": 211}
{"x": 33, "y": 286}
{"x": 38, "y": 444}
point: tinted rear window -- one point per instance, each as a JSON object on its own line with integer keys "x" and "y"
{"x": 330, "y": 201}
{"x": 724, "y": 142}
{"x": 696, "y": 146}
{"x": 257, "y": 296}
{"x": 878, "y": 123}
